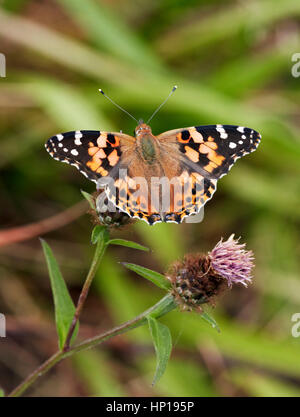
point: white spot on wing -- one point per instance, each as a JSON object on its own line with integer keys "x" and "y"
{"x": 232, "y": 145}
{"x": 78, "y": 136}
{"x": 60, "y": 136}
{"x": 74, "y": 152}
{"x": 240, "y": 129}
{"x": 222, "y": 131}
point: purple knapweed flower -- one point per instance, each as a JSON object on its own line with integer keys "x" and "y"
{"x": 230, "y": 259}
{"x": 201, "y": 278}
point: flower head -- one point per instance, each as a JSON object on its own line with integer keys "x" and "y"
{"x": 200, "y": 278}
{"x": 194, "y": 282}
{"x": 232, "y": 261}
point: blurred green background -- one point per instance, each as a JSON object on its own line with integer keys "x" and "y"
{"x": 232, "y": 62}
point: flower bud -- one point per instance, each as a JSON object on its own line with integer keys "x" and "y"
{"x": 106, "y": 213}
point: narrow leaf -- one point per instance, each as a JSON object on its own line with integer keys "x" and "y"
{"x": 99, "y": 232}
{"x": 89, "y": 198}
{"x": 128, "y": 243}
{"x": 211, "y": 321}
{"x": 64, "y": 307}
{"x": 162, "y": 341}
{"x": 153, "y": 276}
{"x": 2, "y": 393}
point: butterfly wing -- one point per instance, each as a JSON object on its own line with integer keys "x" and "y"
{"x": 95, "y": 154}
{"x": 109, "y": 160}
{"x": 199, "y": 156}
{"x": 206, "y": 154}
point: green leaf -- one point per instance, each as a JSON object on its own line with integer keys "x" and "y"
{"x": 99, "y": 232}
{"x": 211, "y": 321}
{"x": 153, "y": 276}
{"x": 2, "y": 393}
{"x": 162, "y": 341}
{"x": 64, "y": 306}
{"x": 128, "y": 243}
{"x": 89, "y": 198}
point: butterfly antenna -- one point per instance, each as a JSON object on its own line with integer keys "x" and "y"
{"x": 119, "y": 107}
{"x": 164, "y": 102}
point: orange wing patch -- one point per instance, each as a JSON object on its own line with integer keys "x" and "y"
{"x": 101, "y": 141}
{"x": 102, "y": 156}
{"x": 113, "y": 158}
{"x": 211, "y": 153}
{"x": 197, "y": 137}
{"x": 96, "y": 161}
{"x": 191, "y": 154}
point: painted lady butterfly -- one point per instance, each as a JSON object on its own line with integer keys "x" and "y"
{"x": 196, "y": 156}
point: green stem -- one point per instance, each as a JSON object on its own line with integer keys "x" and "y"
{"x": 164, "y": 306}
{"x": 102, "y": 243}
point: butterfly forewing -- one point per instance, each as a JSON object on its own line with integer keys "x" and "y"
{"x": 213, "y": 149}
{"x": 96, "y": 154}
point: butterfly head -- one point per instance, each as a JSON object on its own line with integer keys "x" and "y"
{"x": 142, "y": 129}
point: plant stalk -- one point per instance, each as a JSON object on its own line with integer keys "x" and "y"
{"x": 165, "y": 305}
{"x": 101, "y": 246}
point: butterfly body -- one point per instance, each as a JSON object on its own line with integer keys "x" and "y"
{"x": 149, "y": 150}
{"x": 156, "y": 178}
